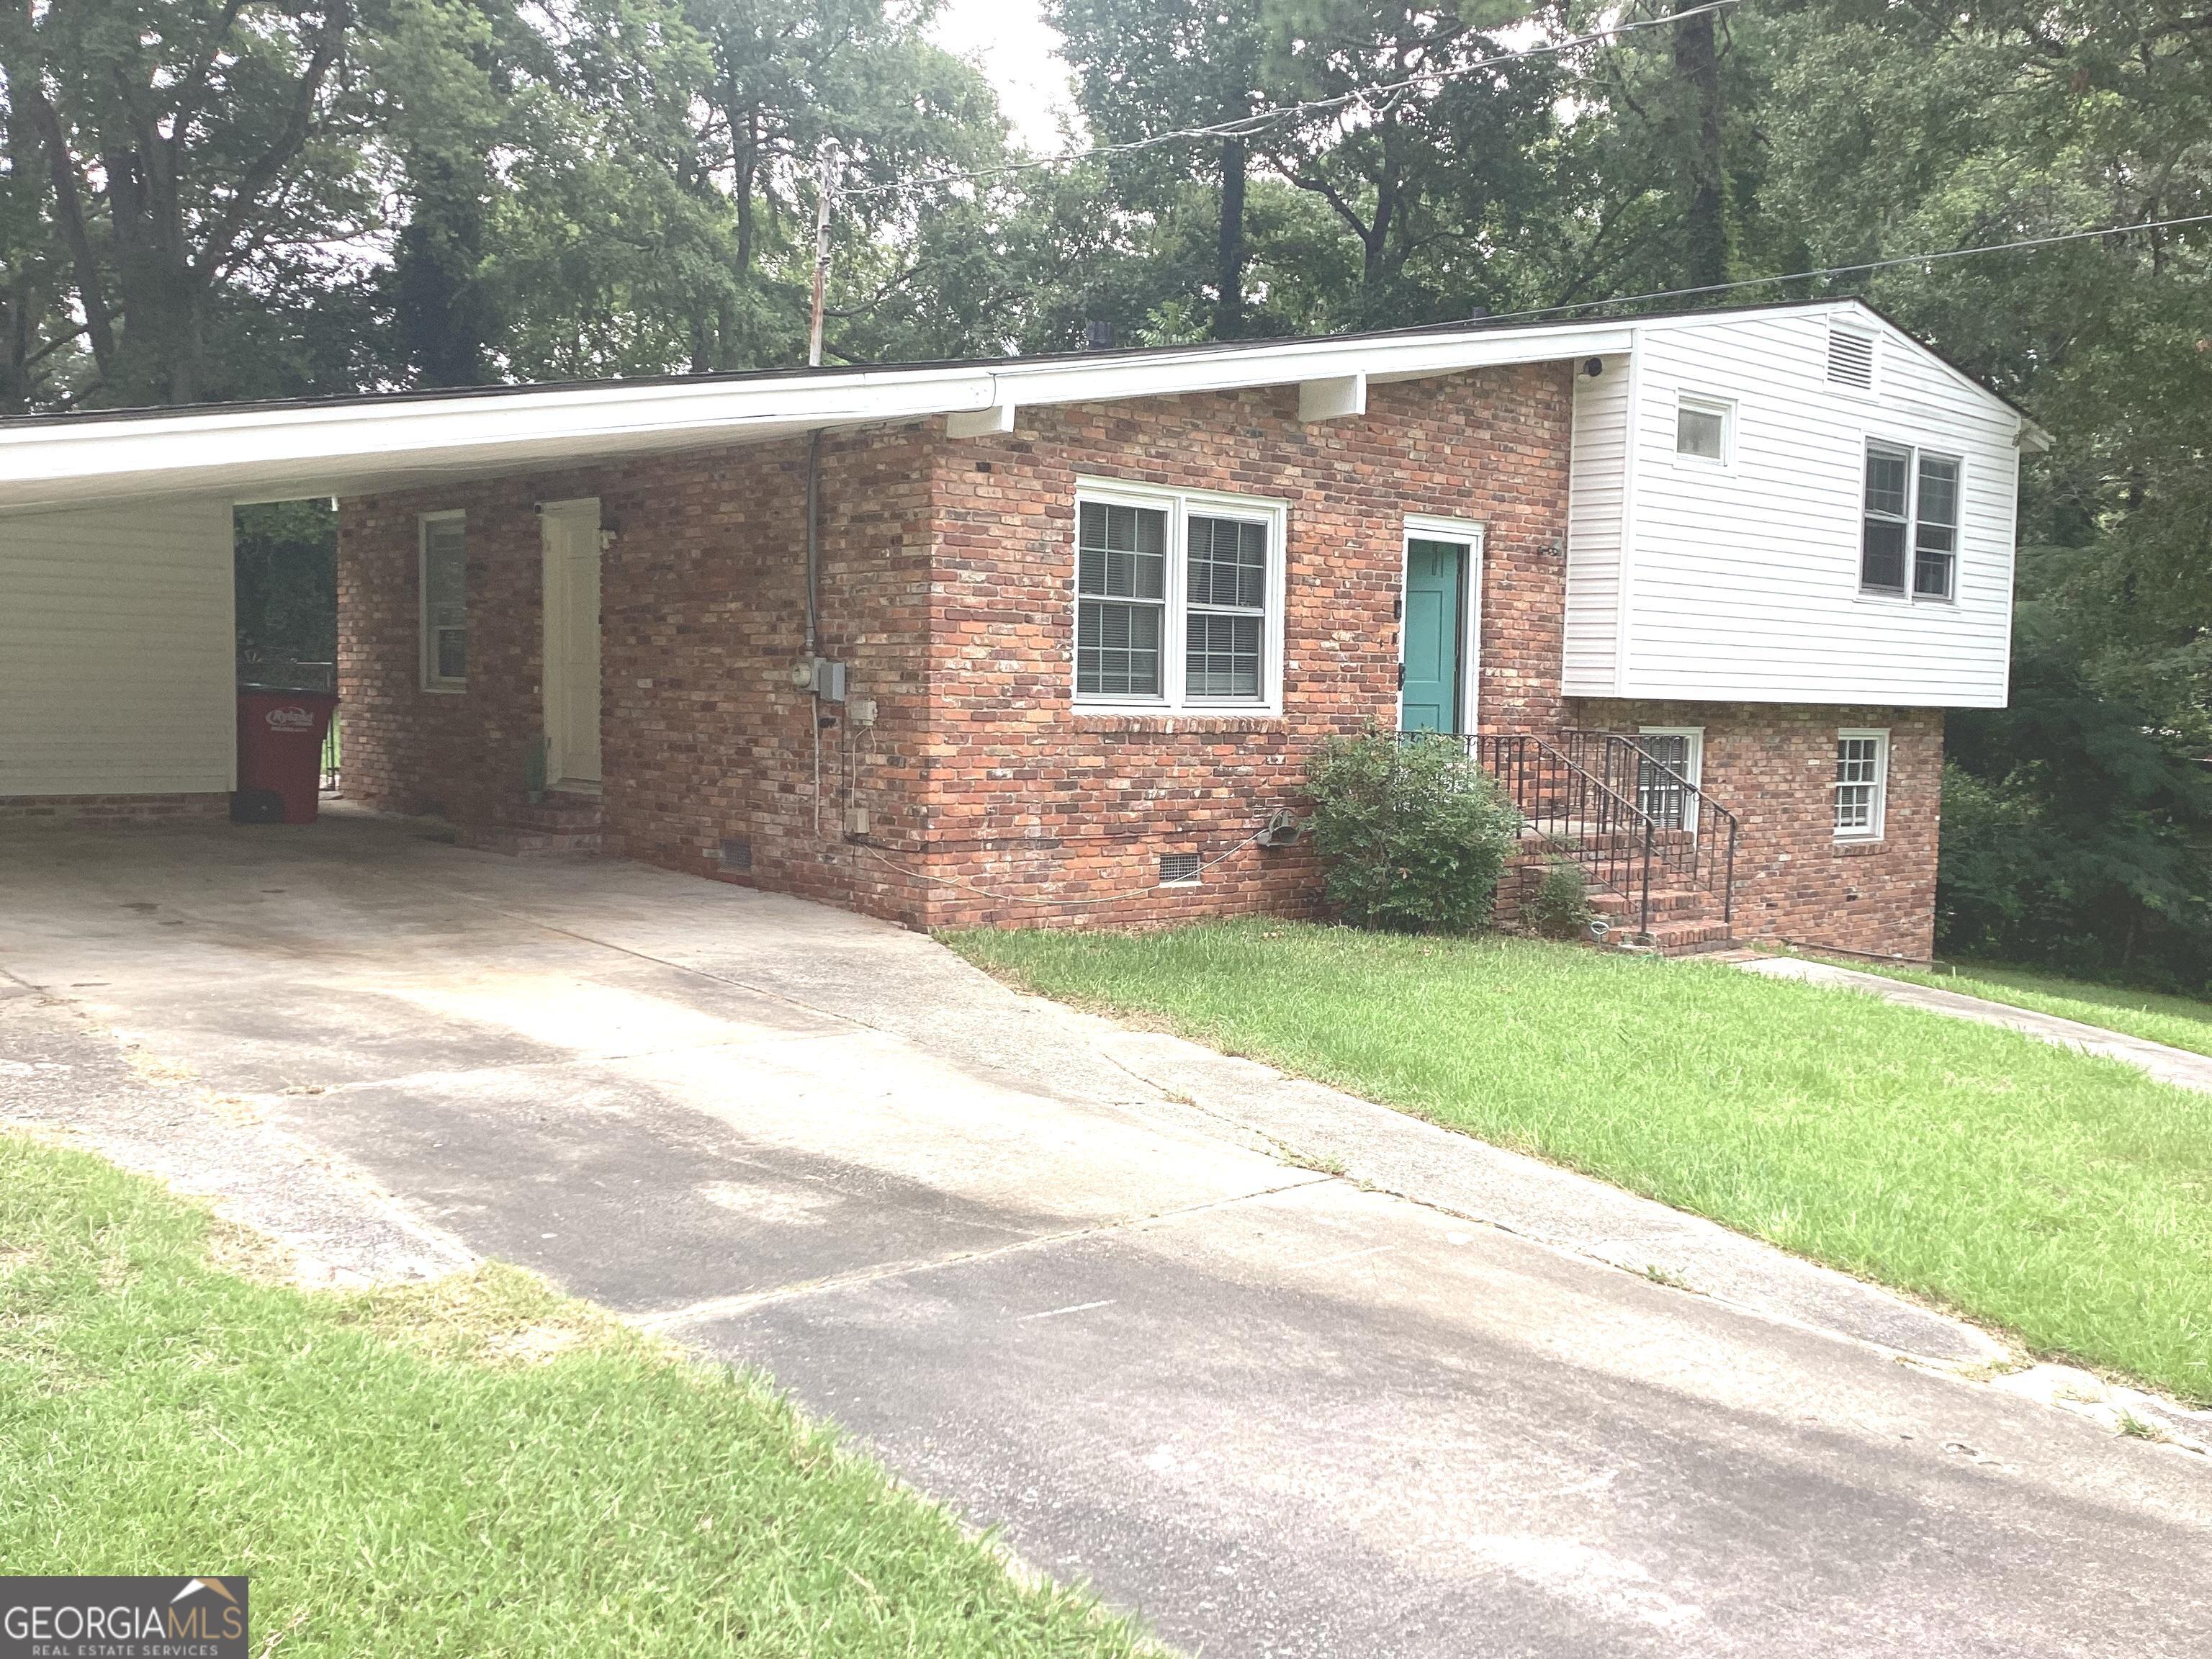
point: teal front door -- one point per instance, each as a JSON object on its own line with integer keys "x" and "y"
{"x": 1435, "y": 629}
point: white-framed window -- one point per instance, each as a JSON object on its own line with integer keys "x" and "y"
{"x": 1178, "y": 599}
{"x": 1704, "y": 430}
{"x": 444, "y": 588}
{"x": 1674, "y": 755}
{"x": 1909, "y": 542}
{"x": 1862, "y": 786}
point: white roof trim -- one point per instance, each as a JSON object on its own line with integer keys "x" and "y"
{"x": 282, "y": 452}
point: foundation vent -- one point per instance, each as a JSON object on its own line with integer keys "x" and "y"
{"x": 737, "y": 852}
{"x": 1179, "y": 869}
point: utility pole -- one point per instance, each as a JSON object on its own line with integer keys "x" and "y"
{"x": 826, "y": 164}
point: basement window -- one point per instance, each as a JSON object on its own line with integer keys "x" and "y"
{"x": 1862, "y": 784}
{"x": 445, "y": 590}
{"x": 1178, "y": 600}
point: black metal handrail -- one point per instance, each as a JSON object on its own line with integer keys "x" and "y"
{"x": 1697, "y": 834}
{"x": 1585, "y": 797}
{"x": 1574, "y": 813}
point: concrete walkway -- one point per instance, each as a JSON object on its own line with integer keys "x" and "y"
{"x": 1094, "y": 1286}
{"x": 2169, "y": 1065}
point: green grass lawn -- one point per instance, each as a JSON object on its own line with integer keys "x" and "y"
{"x": 476, "y": 1467}
{"x": 2179, "y": 1022}
{"x": 2066, "y": 1198}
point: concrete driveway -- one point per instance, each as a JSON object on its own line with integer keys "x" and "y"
{"x": 1113, "y": 1306}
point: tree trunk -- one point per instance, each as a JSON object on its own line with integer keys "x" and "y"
{"x": 159, "y": 293}
{"x": 1696, "y": 60}
{"x": 1229, "y": 309}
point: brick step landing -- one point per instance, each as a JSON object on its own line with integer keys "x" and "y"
{"x": 1681, "y": 938}
{"x": 1684, "y": 921}
{"x": 565, "y": 824}
{"x": 1678, "y": 904}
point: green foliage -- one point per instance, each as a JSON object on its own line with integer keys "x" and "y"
{"x": 1412, "y": 836}
{"x": 1560, "y": 906}
{"x": 2066, "y": 1197}
{"x": 285, "y": 573}
{"x": 2076, "y": 835}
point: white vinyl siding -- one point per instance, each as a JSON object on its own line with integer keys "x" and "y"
{"x": 1597, "y": 495}
{"x": 1744, "y": 585}
{"x": 118, "y": 654}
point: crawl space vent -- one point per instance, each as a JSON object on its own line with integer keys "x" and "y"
{"x": 1851, "y": 359}
{"x": 1178, "y": 869}
{"x": 737, "y": 852}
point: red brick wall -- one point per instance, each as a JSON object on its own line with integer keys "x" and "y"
{"x": 1774, "y": 768}
{"x": 977, "y": 770}
{"x": 1030, "y": 797}
{"x": 702, "y": 611}
{"x": 947, "y": 588}
{"x": 111, "y": 809}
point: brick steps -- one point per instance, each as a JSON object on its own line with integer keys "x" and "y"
{"x": 564, "y": 825}
{"x": 1684, "y": 921}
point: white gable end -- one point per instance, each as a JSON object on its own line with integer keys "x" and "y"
{"x": 1736, "y": 576}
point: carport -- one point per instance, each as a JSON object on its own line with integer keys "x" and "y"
{"x": 117, "y": 615}
{"x": 117, "y": 624}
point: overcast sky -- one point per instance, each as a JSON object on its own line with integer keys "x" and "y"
{"x": 1020, "y": 54}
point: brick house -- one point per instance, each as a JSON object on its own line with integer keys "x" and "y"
{"x": 1050, "y": 641}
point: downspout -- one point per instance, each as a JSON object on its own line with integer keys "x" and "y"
{"x": 813, "y": 602}
{"x": 813, "y": 539}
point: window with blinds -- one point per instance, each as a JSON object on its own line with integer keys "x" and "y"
{"x": 1178, "y": 599}
{"x": 444, "y": 587}
{"x": 1909, "y": 541}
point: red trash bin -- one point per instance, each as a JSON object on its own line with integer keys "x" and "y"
{"x": 280, "y": 745}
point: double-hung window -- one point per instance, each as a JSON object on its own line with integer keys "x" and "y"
{"x": 1861, "y": 785}
{"x": 444, "y": 589}
{"x": 1910, "y": 540}
{"x": 1178, "y": 600}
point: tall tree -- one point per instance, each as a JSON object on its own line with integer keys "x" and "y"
{"x": 186, "y": 144}
{"x": 446, "y": 75}
{"x": 1697, "y": 60}
{"x": 1148, "y": 68}
{"x": 1435, "y": 161}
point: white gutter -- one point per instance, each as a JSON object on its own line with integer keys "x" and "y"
{"x": 289, "y": 451}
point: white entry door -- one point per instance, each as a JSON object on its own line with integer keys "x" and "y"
{"x": 571, "y": 641}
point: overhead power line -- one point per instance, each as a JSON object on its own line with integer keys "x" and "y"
{"x": 1245, "y": 126}
{"x": 1928, "y": 258}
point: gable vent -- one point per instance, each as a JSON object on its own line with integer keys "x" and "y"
{"x": 1851, "y": 359}
{"x": 1178, "y": 869}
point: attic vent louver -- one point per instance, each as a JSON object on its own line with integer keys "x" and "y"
{"x": 1178, "y": 869}
{"x": 1851, "y": 359}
